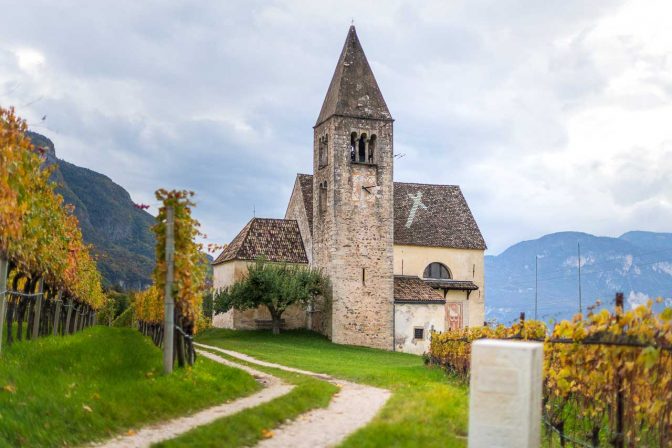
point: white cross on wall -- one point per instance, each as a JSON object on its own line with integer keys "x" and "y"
{"x": 417, "y": 202}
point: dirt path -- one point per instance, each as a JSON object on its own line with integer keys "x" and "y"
{"x": 273, "y": 388}
{"x": 350, "y": 409}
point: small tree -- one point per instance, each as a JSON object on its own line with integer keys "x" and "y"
{"x": 275, "y": 286}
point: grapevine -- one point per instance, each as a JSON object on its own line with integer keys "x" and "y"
{"x": 41, "y": 240}
{"x": 607, "y": 376}
{"x": 189, "y": 277}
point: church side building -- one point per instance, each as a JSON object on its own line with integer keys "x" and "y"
{"x": 404, "y": 259}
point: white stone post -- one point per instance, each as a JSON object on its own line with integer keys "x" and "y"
{"x": 505, "y": 394}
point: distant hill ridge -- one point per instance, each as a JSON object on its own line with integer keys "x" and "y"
{"x": 119, "y": 231}
{"x": 637, "y": 263}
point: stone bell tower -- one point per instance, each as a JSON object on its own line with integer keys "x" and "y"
{"x": 353, "y": 202}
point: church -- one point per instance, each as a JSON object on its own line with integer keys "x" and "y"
{"x": 404, "y": 259}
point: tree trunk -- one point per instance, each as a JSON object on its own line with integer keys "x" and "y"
{"x": 275, "y": 319}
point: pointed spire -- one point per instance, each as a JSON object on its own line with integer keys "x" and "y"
{"x": 353, "y": 91}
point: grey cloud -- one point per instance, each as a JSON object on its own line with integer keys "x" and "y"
{"x": 220, "y": 98}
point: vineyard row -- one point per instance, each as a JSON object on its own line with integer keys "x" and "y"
{"x": 48, "y": 278}
{"x": 607, "y": 375}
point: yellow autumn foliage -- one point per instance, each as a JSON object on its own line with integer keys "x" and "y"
{"x": 606, "y": 375}
{"x": 189, "y": 266}
{"x": 39, "y": 235}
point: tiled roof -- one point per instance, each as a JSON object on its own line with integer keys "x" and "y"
{"x": 434, "y": 215}
{"x": 410, "y": 289}
{"x": 459, "y": 285}
{"x": 306, "y": 183}
{"x": 353, "y": 91}
{"x": 441, "y": 217}
{"x": 277, "y": 240}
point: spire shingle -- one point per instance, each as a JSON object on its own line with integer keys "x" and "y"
{"x": 353, "y": 91}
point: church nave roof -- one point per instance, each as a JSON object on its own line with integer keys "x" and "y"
{"x": 276, "y": 240}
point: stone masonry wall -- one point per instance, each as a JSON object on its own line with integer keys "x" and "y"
{"x": 297, "y": 211}
{"x": 353, "y": 236}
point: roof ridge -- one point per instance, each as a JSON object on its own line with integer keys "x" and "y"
{"x": 277, "y": 239}
{"x": 258, "y": 218}
{"x": 426, "y": 185}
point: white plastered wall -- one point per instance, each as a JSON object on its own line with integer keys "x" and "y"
{"x": 464, "y": 264}
{"x": 408, "y": 317}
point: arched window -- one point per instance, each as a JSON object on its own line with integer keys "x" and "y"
{"x": 323, "y": 145}
{"x": 438, "y": 271}
{"x": 353, "y": 146}
{"x": 362, "y": 149}
{"x": 372, "y": 148}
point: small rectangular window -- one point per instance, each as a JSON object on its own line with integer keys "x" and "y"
{"x": 418, "y": 333}
{"x": 363, "y": 276}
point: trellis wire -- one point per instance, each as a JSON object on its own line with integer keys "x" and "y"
{"x": 60, "y": 318}
{"x": 564, "y": 436}
{"x": 21, "y": 294}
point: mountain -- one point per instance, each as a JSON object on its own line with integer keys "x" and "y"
{"x": 118, "y": 230}
{"x": 637, "y": 263}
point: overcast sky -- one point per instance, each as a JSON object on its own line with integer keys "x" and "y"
{"x": 551, "y": 116}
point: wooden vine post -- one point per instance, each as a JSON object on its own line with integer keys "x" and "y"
{"x": 4, "y": 265}
{"x": 66, "y": 330}
{"x": 76, "y": 319}
{"x": 169, "y": 304}
{"x": 38, "y": 309}
{"x": 57, "y": 313}
{"x": 619, "y": 439}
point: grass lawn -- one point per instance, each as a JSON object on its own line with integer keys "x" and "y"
{"x": 70, "y": 390}
{"x": 250, "y": 425}
{"x": 427, "y": 408}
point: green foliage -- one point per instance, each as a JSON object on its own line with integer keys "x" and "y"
{"x": 120, "y": 302}
{"x": 103, "y": 381}
{"x": 125, "y": 319}
{"x": 105, "y": 315}
{"x": 208, "y": 304}
{"x": 275, "y": 286}
{"x": 427, "y": 407}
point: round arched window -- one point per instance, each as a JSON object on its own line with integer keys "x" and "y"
{"x": 437, "y": 270}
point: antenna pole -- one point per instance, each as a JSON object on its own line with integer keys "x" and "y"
{"x": 536, "y": 284}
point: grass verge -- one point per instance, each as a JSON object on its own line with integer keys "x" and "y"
{"x": 247, "y": 427}
{"x": 427, "y": 408}
{"x": 58, "y": 391}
